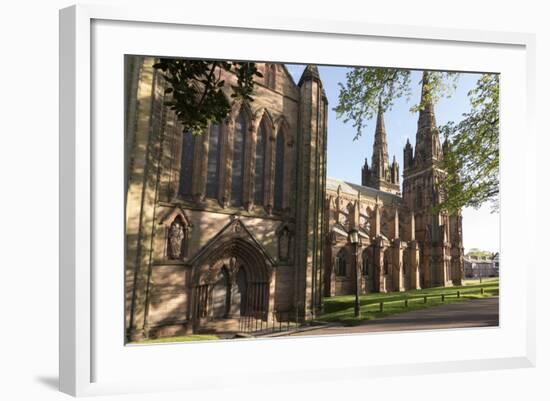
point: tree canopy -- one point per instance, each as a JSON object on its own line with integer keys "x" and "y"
{"x": 197, "y": 92}
{"x": 471, "y": 158}
{"x": 471, "y": 150}
{"x": 368, "y": 87}
{"x": 480, "y": 253}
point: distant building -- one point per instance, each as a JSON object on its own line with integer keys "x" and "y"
{"x": 481, "y": 266}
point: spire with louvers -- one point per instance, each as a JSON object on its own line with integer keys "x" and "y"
{"x": 428, "y": 147}
{"x": 381, "y": 175}
{"x": 380, "y": 160}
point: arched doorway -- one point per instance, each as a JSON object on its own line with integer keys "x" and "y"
{"x": 232, "y": 281}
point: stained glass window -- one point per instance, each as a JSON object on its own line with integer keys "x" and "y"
{"x": 259, "y": 169}
{"x": 186, "y": 170}
{"x": 365, "y": 264}
{"x": 213, "y": 168}
{"x": 237, "y": 165}
{"x": 279, "y": 170}
{"x": 341, "y": 265}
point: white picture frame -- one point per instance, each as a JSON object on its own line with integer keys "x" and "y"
{"x": 84, "y": 355}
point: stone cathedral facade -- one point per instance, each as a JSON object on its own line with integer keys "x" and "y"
{"x": 241, "y": 221}
{"x": 228, "y": 223}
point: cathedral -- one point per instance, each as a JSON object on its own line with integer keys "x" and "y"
{"x": 403, "y": 243}
{"x": 241, "y": 221}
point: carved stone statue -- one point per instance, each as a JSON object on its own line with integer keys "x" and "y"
{"x": 175, "y": 240}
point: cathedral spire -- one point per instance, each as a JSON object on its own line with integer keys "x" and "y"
{"x": 428, "y": 146}
{"x": 380, "y": 159}
{"x": 381, "y": 175}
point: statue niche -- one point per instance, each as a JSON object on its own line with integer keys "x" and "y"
{"x": 285, "y": 241}
{"x": 177, "y": 228}
{"x": 176, "y": 240}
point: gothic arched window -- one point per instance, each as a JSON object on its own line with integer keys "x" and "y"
{"x": 279, "y": 170}
{"x": 386, "y": 264}
{"x": 213, "y": 167}
{"x": 259, "y": 169}
{"x": 186, "y": 168}
{"x": 341, "y": 264}
{"x": 237, "y": 165}
{"x": 365, "y": 264}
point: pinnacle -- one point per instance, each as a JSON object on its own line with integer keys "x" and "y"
{"x": 310, "y": 73}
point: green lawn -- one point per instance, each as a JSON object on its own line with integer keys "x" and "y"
{"x": 179, "y": 339}
{"x": 341, "y": 308}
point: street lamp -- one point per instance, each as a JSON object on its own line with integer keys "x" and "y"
{"x": 353, "y": 238}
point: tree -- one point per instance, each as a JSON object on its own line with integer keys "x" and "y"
{"x": 197, "y": 92}
{"x": 479, "y": 253}
{"x": 471, "y": 145}
{"x": 471, "y": 155}
{"x": 367, "y": 87}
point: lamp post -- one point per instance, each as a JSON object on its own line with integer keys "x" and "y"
{"x": 353, "y": 238}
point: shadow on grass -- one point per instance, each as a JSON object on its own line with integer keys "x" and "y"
{"x": 341, "y": 309}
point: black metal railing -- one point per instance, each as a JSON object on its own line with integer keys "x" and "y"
{"x": 267, "y": 323}
{"x": 425, "y": 297}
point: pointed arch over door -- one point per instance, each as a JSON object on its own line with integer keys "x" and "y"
{"x": 233, "y": 280}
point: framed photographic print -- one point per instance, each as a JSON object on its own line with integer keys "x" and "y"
{"x": 278, "y": 197}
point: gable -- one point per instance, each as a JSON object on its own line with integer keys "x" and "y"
{"x": 235, "y": 230}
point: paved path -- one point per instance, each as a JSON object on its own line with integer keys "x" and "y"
{"x": 473, "y": 313}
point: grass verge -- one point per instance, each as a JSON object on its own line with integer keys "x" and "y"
{"x": 341, "y": 308}
{"x": 179, "y": 339}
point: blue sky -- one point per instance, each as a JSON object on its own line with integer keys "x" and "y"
{"x": 345, "y": 156}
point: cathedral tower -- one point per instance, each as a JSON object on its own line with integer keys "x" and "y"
{"x": 422, "y": 175}
{"x": 310, "y": 195}
{"x": 381, "y": 175}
